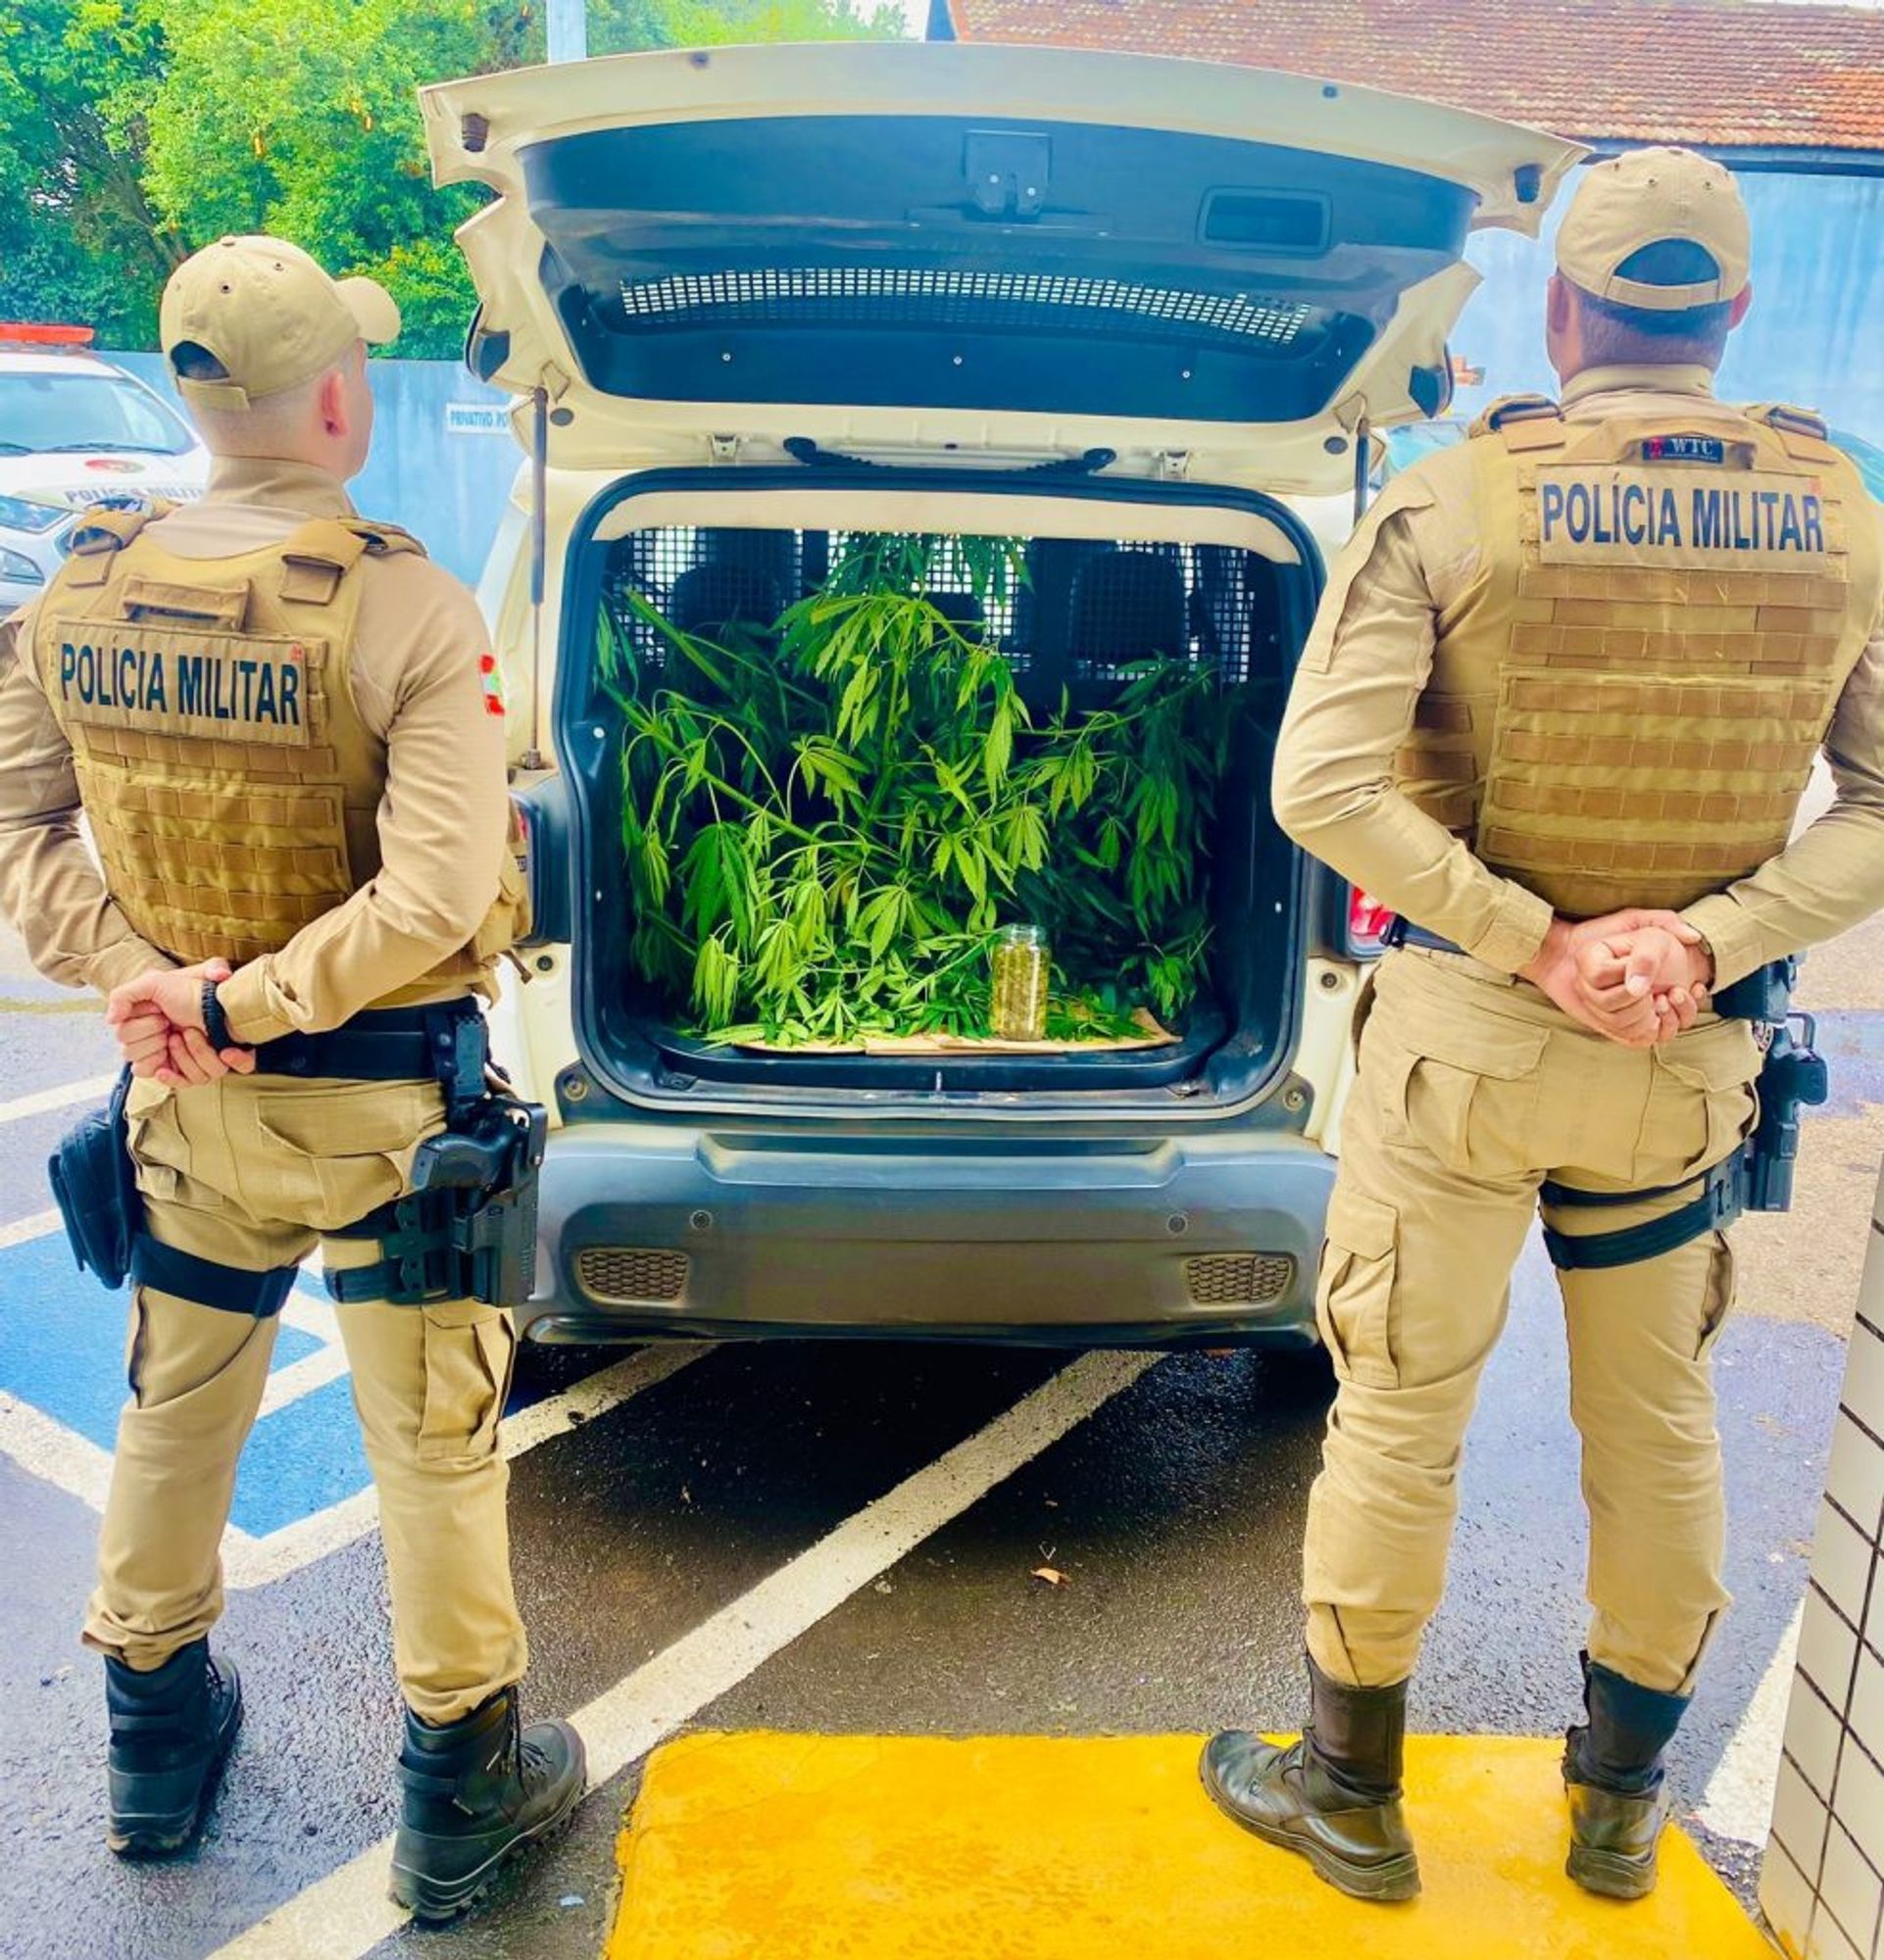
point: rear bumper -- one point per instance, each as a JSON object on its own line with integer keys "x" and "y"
{"x": 651, "y": 1229}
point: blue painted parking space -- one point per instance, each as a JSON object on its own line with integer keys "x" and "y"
{"x": 65, "y": 1360}
{"x": 66, "y": 1357}
{"x": 62, "y": 1355}
{"x": 300, "y": 1461}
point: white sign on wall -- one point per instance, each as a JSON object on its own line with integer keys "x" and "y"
{"x": 476, "y": 418}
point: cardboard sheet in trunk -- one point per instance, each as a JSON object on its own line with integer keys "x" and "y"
{"x": 901, "y": 1047}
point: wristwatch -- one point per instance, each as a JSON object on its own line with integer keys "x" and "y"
{"x": 215, "y": 1023}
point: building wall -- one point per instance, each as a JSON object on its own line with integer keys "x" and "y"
{"x": 1822, "y": 1884}
{"x": 1819, "y": 301}
{"x": 447, "y": 487}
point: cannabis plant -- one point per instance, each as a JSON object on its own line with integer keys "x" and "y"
{"x": 824, "y": 824}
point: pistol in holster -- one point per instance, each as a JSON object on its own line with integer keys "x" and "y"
{"x": 1794, "y": 1076}
{"x": 468, "y": 1228}
{"x": 1757, "y": 1176}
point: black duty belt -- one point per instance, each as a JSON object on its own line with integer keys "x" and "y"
{"x": 468, "y": 1229}
{"x": 445, "y": 1044}
{"x": 1756, "y": 1177}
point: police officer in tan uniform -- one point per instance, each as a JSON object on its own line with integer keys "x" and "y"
{"x": 1557, "y": 711}
{"x": 283, "y": 728}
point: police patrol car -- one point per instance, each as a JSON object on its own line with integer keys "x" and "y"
{"x": 77, "y": 431}
{"x": 1146, "y": 322}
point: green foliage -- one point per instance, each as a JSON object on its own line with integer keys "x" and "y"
{"x": 78, "y": 236}
{"x": 304, "y": 122}
{"x": 144, "y": 128}
{"x": 617, "y": 26}
{"x": 822, "y": 836}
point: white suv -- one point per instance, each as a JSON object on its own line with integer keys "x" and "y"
{"x": 1134, "y": 315}
{"x": 75, "y": 432}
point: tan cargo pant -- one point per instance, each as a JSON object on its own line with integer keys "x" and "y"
{"x": 254, "y": 1171}
{"x": 1472, "y": 1090}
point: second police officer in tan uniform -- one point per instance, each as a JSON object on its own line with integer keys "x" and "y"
{"x": 1577, "y": 666}
{"x": 283, "y": 728}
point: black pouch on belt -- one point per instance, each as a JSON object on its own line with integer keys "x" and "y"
{"x": 94, "y": 1182}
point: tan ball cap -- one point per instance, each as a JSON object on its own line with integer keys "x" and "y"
{"x": 270, "y": 315}
{"x": 1640, "y": 199}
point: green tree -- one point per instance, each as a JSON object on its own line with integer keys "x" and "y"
{"x": 79, "y": 238}
{"x": 620, "y": 26}
{"x": 143, "y": 128}
{"x": 305, "y": 123}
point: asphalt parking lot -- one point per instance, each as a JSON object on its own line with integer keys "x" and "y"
{"x": 841, "y": 1539}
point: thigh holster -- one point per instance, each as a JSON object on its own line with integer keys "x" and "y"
{"x": 416, "y": 1261}
{"x": 468, "y": 1229}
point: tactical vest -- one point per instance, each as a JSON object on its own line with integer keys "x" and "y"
{"x": 1625, "y": 705}
{"x": 232, "y": 788}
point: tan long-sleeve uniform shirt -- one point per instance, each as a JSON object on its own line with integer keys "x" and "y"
{"x": 419, "y": 686}
{"x": 1391, "y": 594}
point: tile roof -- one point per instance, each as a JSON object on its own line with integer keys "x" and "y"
{"x": 1722, "y": 74}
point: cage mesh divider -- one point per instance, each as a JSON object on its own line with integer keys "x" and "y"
{"x": 1087, "y": 612}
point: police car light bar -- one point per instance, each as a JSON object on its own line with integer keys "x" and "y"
{"x": 32, "y": 333}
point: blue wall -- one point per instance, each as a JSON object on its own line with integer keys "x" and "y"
{"x": 447, "y": 488}
{"x": 1811, "y": 336}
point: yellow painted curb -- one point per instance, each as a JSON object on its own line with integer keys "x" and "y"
{"x": 1016, "y": 1848}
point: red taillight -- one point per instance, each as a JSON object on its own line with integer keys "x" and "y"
{"x": 1367, "y": 924}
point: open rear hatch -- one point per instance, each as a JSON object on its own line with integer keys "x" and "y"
{"x": 885, "y": 248}
{"x": 1004, "y": 292}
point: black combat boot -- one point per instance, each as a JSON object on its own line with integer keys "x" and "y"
{"x": 171, "y": 1730}
{"x": 1333, "y": 1796}
{"x": 1613, "y": 1777}
{"x": 478, "y": 1792}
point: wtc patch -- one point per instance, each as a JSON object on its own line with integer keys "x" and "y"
{"x": 1693, "y": 448}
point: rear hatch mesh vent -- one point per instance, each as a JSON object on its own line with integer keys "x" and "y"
{"x": 628, "y": 1275}
{"x": 1238, "y": 1279}
{"x": 888, "y": 295}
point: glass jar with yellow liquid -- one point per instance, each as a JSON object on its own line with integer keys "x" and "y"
{"x": 1022, "y": 963}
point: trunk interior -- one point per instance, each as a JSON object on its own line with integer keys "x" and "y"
{"x": 1108, "y": 577}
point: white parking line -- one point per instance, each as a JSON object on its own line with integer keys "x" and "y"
{"x": 62, "y": 1098}
{"x": 49, "y": 1450}
{"x": 327, "y": 1363}
{"x": 249, "y": 1562}
{"x": 46, "y": 1449}
{"x": 1739, "y": 1798}
{"x": 347, "y": 1913}
{"x": 310, "y": 1312}
{"x": 23, "y": 1230}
